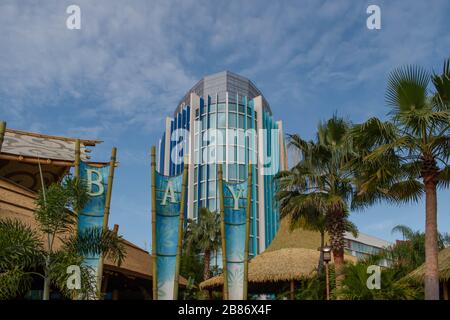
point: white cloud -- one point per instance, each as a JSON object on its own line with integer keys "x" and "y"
{"x": 131, "y": 62}
{"x": 122, "y": 59}
{"x": 118, "y": 77}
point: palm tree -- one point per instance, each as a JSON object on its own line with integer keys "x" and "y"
{"x": 407, "y": 156}
{"x": 320, "y": 184}
{"x": 23, "y": 253}
{"x": 311, "y": 219}
{"x": 410, "y": 252}
{"x": 204, "y": 235}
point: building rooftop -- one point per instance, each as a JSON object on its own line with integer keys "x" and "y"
{"x": 22, "y": 152}
{"x": 216, "y": 85}
{"x": 369, "y": 240}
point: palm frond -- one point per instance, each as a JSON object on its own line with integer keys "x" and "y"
{"x": 407, "y": 88}
{"x": 60, "y": 262}
{"x": 19, "y": 245}
{"x": 204, "y": 234}
{"x": 352, "y": 228}
{"x": 14, "y": 282}
{"x": 441, "y": 82}
{"x": 96, "y": 241}
{"x": 444, "y": 177}
{"x": 405, "y": 231}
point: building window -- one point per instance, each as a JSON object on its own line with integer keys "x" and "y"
{"x": 241, "y": 121}
{"x": 232, "y": 174}
{"x": 203, "y": 170}
{"x": 212, "y": 120}
{"x": 221, "y": 120}
{"x": 242, "y": 172}
{"x": 231, "y": 155}
{"x": 212, "y": 187}
{"x": 240, "y": 155}
{"x": 212, "y": 171}
{"x": 203, "y": 191}
{"x": 232, "y": 120}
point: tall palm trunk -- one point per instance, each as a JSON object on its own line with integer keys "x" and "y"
{"x": 336, "y": 227}
{"x": 431, "y": 237}
{"x": 207, "y": 262}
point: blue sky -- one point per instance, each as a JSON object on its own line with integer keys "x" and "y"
{"x": 118, "y": 77}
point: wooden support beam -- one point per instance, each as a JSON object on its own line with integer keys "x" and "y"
{"x": 89, "y": 143}
{"x": 292, "y": 290}
{"x": 2, "y": 133}
{"x": 445, "y": 289}
{"x": 57, "y": 163}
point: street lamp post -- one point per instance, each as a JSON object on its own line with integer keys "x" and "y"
{"x": 327, "y": 258}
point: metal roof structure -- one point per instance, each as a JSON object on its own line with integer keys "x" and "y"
{"x": 215, "y": 86}
{"x": 369, "y": 240}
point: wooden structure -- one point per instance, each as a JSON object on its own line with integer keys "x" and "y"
{"x": 20, "y": 154}
{"x": 444, "y": 272}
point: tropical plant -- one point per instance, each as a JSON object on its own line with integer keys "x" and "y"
{"x": 191, "y": 264}
{"x": 410, "y": 252}
{"x": 321, "y": 184}
{"x": 392, "y": 284}
{"x": 19, "y": 252}
{"x": 313, "y": 288}
{"x": 48, "y": 250}
{"x": 407, "y": 156}
{"x": 204, "y": 235}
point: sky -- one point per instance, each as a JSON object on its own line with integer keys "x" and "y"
{"x": 125, "y": 70}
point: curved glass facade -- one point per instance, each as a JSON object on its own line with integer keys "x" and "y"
{"x": 221, "y": 120}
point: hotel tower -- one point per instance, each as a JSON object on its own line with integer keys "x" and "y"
{"x": 224, "y": 118}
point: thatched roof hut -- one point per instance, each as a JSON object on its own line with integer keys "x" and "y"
{"x": 443, "y": 266}
{"x": 281, "y": 265}
{"x": 292, "y": 256}
{"x": 297, "y": 238}
{"x": 444, "y": 272}
{"x": 271, "y": 267}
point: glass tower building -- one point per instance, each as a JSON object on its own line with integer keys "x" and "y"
{"x": 224, "y": 118}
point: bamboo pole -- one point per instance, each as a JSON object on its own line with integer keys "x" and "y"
{"x": 2, "y": 133}
{"x": 106, "y": 210}
{"x": 154, "y": 256}
{"x": 53, "y": 162}
{"x": 77, "y": 175}
{"x": 222, "y": 231}
{"x": 247, "y": 229}
{"x": 77, "y": 159}
{"x": 109, "y": 188}
{"x": 180, "y": 230}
